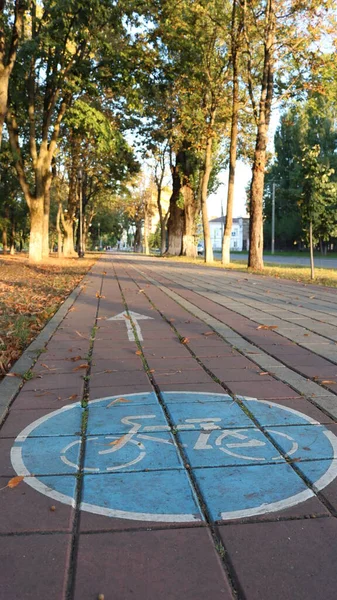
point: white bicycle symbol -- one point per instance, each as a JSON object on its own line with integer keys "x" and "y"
{"x": 233, "y": 442}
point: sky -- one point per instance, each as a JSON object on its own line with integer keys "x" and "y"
{"x": 243, "y": 175}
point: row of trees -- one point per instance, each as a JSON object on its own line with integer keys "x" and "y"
{"x": 62, "y": 74}
{"x": 304, "y": 171}
{"x": 195, "y": 81}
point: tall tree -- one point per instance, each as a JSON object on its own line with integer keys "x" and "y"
{"x": 93, "y": 143}
{"x": 56, "y": 62}
{"x": 318, "y": 199}
{"x": 281, "y": 33}
{"x": 236, "y": 42}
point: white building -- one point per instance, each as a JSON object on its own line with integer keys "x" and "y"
{"x": 240, "y": 233}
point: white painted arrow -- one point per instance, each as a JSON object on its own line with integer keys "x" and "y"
{"x": 135, "y": 318}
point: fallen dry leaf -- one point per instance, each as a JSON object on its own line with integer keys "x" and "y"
{"x": 118, "y": 400}
{"x": 80, "y": 334}
{"x": 267, "y": 327}
{"x": 184, "y": 340}
{"x": 72, "y": 397}
{"x": 84, "y": 366}
{"x": 75, "y": 358}
{"x": 209, "y": 333}
{"x": 327, "y": 381}
{"x": 264, "y": 373}
{"x": 115, "y": 442}
{"x": 13, "y": 375}
{"x": 138, "y": 352}
{"x": 13, "y": 482}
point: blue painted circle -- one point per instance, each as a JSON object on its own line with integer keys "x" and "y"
{"x": 135, "y": 466}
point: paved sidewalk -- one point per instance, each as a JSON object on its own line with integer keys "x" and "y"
{"x": 178, "y": 439}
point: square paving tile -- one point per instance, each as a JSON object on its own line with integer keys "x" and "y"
{"x": 34, "y": 566}
{"x": 47, "y": 423}
{"x": 230, "y": 447}
{"x": 178, "y": 376}
{"x": 197, "y": 397}
{"x": 6, "y": 468}
{"x": 305, "y": 442}
{"x": 51, "y": 399}
{"x": 154, "y": 496}
{"x": 54, "y": 367}
{"x": 142, "y": 452}
{"x": 193, "y": 387}
{"x": 115, "y": 352}
{"x": 284, "y": 412}
{"x": 72, "y": 381}
{"x": 24, "y": 509}
{"x": 244, "y": 375}
{"x": 167, "y": 364}
{"x": 133, "y": 399}
{"x": 119, "y": 378}
{"x": 289, "y": 559}
{"x": 322, "y": 474}
{"x": 99, "y": 366}
{"x": 262, "y": 389}
{"x": 154, "y": 564}
{"x": 171, "y": 349}
{"x": 208, "y": 416}
{"x": 246, "y": 491}
{"x": 97, "y": 392}
{"x": 47, "y": 455}
{"x": 118, "y": 419}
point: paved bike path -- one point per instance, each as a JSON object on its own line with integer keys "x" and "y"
{"x": 160, "y": 460}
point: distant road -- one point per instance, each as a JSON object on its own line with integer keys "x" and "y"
{"x": 327, "y": 263}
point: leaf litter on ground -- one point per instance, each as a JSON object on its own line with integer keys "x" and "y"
{"x": 29, "y": 296}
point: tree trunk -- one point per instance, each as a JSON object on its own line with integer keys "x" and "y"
{"x": 138, "y": 237}
{"x": 4, "y": 240}
{"x": 255, "y": 260}
{"x": 188, "y": 245}
{"x": 162, "y": 220}
{"x": 12, "y": 236}
{"x": 68, "y": 240}
{"x": 146, "y": 228}
{"x": 46, "y": 213}
{"x": 175, "y": 224}
{"x": 226, "y": 240}
{"x": 312, "y": 266}
{"x": 59, "y": 231}
{"x": 162, "y": 237}
{"x": 204, "y": 194}
{"x": 36, "y": 230}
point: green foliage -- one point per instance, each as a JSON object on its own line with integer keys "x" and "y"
{"x": 305, "y": 148}
{"x": 155, "y": 239}
{"x": 318, "y": 202}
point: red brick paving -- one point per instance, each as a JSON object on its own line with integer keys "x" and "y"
{"x": 292, "y": 556}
